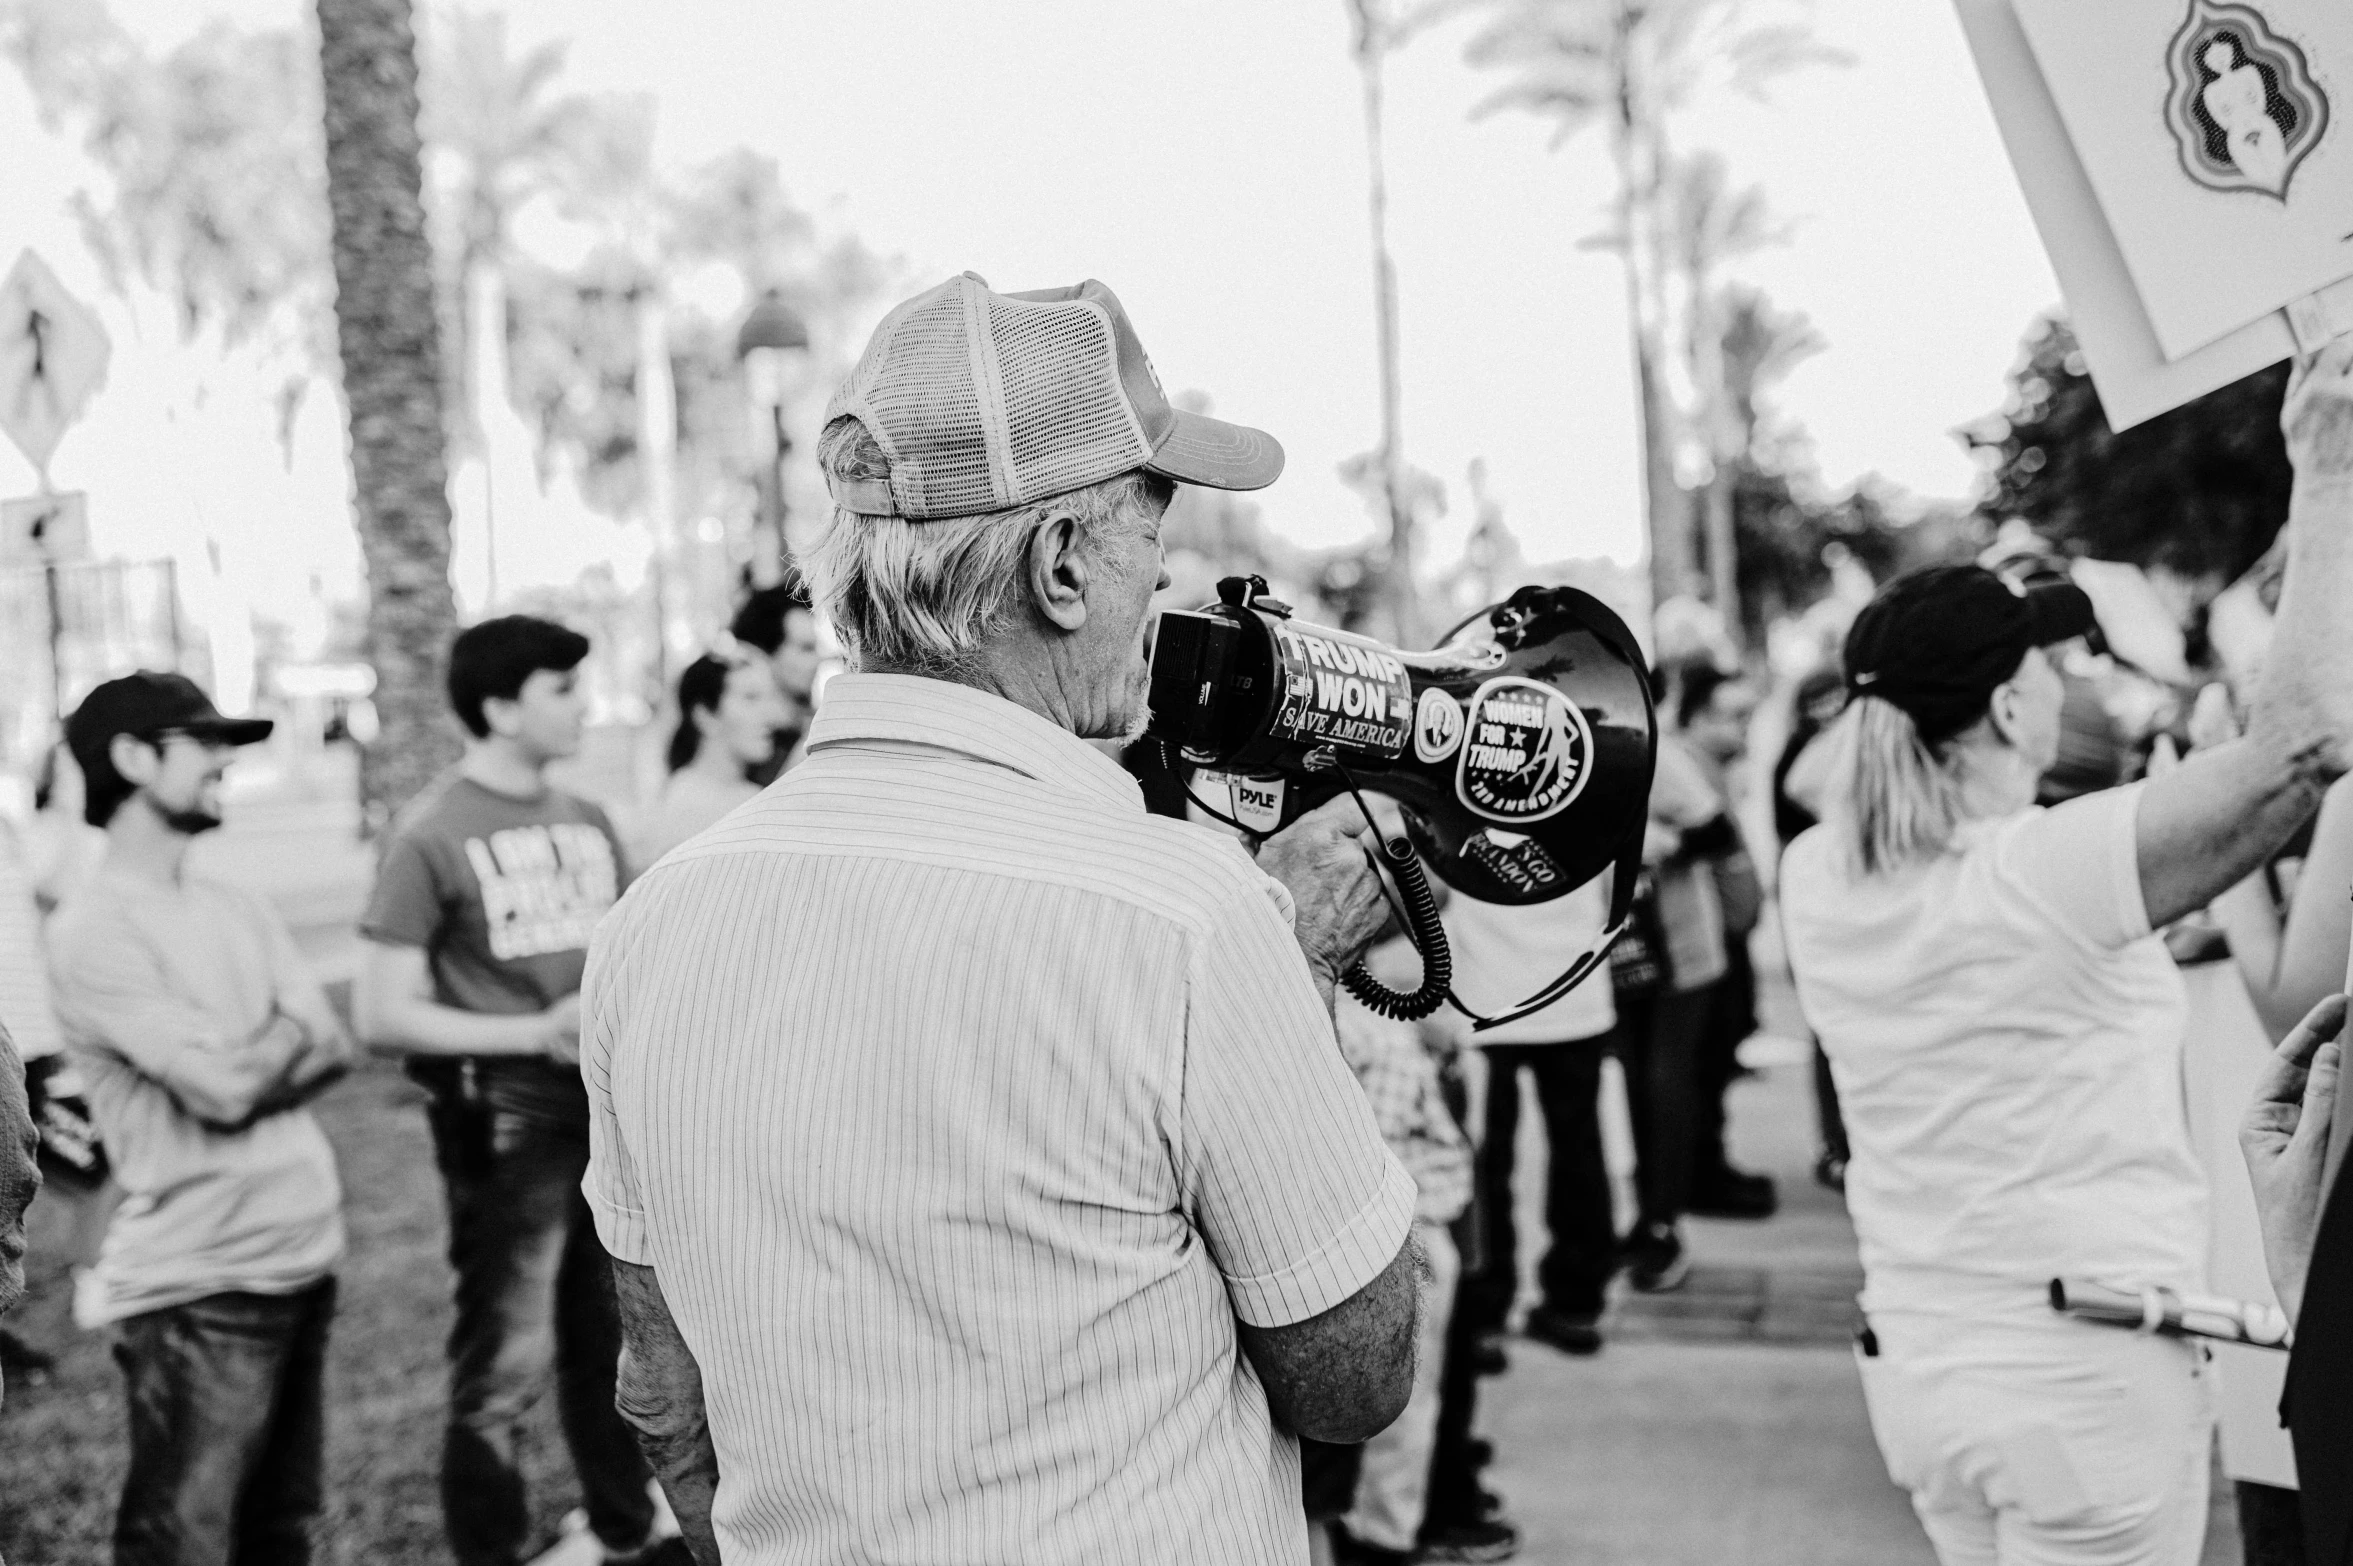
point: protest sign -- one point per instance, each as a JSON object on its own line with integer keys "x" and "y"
{"x": 2137, "y": 376}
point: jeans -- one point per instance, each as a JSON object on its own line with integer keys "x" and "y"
{"x": 1732, "y": 1017}
{"x": 228, "y": 1428}
{"x": 534, "y": 1304}
{"x": 1659, "y": 1039}
{"x": 1577, "y": 1265}
{"x": 1454, "y": 1496}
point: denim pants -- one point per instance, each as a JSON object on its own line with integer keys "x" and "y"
{"x": 1659, "y": 1039}
{"x": 1576, "y": 1268}
{"x": 534, "y": 1304}
{"x": 228, "y": 1429}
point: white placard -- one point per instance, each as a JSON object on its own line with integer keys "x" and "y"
{"x": 2135, "y": 379}
{"x": 2218, "y": 135}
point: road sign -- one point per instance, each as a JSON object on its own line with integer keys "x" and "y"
{"x": 45, "y": 530}
{"x": 53, "y": 353}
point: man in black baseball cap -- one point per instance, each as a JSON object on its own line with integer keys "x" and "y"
{"x": 202, "y": 1035}
{"x": 1939, "y": 642}
{"x": 123, "y": 735}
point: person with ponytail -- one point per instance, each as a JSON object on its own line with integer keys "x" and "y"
{"x": 2005, "y": 1029}
{"x": 729, "y": 714}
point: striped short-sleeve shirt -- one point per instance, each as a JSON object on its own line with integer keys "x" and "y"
{"x": 961, "y": 1108}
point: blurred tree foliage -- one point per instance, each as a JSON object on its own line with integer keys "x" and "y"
{"x": 211, "y": 201}
{"x": 2200, "y": 491}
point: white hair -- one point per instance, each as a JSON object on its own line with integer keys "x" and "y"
{"x": 925, "y": 596}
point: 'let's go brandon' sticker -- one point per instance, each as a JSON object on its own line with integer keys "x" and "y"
{"x": 1341, "y": 690}
{"x": 1526, "y": 751}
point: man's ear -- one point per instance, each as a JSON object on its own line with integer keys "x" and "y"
{"x": 135, "y": 760}
{"x": 1059, "y": 571}
{"x": 499, "y": 713}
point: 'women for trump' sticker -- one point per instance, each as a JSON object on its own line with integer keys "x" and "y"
{"x": 1526, "y": 751}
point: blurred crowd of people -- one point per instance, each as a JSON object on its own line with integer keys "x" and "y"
{"x": 1055, "y": 1088}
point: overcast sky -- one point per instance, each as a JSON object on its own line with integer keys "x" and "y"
{"x": 1205, "y": 158}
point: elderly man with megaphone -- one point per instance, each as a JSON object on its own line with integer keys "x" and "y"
{"x": 982, "y": 1177}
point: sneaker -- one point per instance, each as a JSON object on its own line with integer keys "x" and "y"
{"x": 1734, "y": 1193}
{"x": 1492, "y": 1540}
{"x": 1657, "y": 1262}
{"x": 1572, "y": 1332}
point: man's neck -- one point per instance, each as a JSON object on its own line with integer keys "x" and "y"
{"x": 1024, "y": 676}
{"x": 139, "y": 844}
{"x": 503, "y": 767}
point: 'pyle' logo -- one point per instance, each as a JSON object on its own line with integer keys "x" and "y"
{"x": 1258, "y": 803}
{"x": 2244, "y": 109}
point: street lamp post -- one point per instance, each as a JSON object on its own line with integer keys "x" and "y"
{"x": 769, "y": 335}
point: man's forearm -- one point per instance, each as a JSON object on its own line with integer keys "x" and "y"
{"x": 423, "y": 1027}
{"x": 659, "y": 1391}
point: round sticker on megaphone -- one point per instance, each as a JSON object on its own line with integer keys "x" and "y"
{"x": 1526, "y": 751}
{"x": 1437, "y": 725}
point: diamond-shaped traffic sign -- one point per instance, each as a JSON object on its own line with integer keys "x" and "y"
{"x": 53, "y": 354}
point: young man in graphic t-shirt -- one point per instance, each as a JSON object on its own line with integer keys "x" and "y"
{"x": 478, "y": 929}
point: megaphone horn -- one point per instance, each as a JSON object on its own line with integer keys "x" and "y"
{"x": 1521, "y": 751}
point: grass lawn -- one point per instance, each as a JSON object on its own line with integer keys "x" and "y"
{"x": 62, "y": 1443}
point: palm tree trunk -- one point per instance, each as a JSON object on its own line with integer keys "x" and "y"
{"x": 1371, "y": 46}
{"x": 1635, "y": 148}
{"x": 389, "y": 337}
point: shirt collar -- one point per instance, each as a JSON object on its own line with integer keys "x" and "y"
{"x": 911, "y": 710}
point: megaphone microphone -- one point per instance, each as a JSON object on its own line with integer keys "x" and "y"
{"x": 1520, "y": 751}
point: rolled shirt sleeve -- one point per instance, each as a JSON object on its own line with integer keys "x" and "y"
{"x": 1283, "y": 1168}
{"x": 611, "y": 1184}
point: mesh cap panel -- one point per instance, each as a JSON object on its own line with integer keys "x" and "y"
{"x": 1067, "y": 421}
{"x": 927, "y": 411}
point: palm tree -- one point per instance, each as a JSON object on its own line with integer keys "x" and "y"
{"x": 388, "y": 334}
{"x": 1628, "y": 66}
{"x": 611, "y": 178}
{"x": 1710, "y": 222}
{"x": 1381, "y": 28}
{"x": 490, "y": 111}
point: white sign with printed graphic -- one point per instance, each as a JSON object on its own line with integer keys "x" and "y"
{"x": 2218, "y": 135}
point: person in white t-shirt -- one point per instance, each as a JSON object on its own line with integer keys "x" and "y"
{"x": 1502, "y": 955}
{"x": 2006, "y": 1031}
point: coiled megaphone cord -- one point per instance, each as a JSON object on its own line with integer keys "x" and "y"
{"x": 1419, "y": 917}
